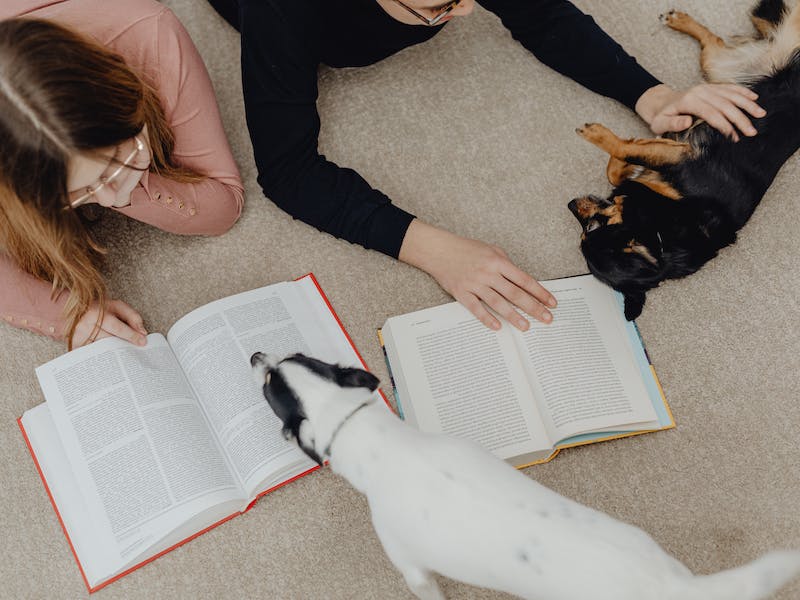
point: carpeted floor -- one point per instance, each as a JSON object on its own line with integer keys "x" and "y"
{"x": 495, "y": 157}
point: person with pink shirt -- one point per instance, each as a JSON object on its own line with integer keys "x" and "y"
{"x": 103, "y": 103}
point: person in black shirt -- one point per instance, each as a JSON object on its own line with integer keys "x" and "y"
{"x": 285, "y": 41}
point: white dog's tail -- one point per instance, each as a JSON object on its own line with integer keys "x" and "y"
{"x": 757, "y": 580}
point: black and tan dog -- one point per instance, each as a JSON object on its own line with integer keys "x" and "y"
{"x": 676, "y": 202}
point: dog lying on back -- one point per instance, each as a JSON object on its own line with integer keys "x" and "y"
{"x": 445, "y": 505}
{"x": 676, "y": 202}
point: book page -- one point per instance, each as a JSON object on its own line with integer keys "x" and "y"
{"x": 137, "y": 443}
{"x": 454, "y": 375}
{"x": 214, "y": 344}
{"x": 581, "y": 366}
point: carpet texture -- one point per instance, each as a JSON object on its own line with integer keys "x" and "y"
{"x": 471, "y": 133}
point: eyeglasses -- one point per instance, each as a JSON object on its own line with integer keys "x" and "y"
{"x": 441, "y": 12}
{"x": 108, "y": 179}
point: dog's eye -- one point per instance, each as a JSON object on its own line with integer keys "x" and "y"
{"x": 592, "y": 225}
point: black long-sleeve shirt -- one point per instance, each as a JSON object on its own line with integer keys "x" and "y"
{"x": 285, "y": 41}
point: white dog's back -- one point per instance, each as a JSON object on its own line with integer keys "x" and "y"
{"x": 449, "y": 506}
{"x": 445, "y": 505}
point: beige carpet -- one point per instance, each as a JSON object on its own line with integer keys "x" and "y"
{"x": 495, "y": 158}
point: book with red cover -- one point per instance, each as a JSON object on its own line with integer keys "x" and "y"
{"x": 143, "y": 449}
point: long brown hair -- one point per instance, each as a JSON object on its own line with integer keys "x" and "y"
{"x": 60, "y": 94}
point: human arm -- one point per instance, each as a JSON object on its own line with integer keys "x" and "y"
{"x": 279, "y": 75}
{"x": 212, "y": 205}
{"x": 477, "y": 275}
{"x": 570, "y": 42}
{"x": 27, "y": 302}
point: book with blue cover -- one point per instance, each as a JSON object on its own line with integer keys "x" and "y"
{"x": 584, "y": 378}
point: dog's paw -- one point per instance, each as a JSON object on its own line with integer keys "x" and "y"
{"x": 593, "y": 132}
{"x": 676, "y": 20}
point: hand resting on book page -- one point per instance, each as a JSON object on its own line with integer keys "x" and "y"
{"x": 119, "y": 320}
{"x": 444, "y": 505}
{"x": 478, "y": 275}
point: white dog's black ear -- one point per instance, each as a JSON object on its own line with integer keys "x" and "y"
{"x": 352, "y": 377}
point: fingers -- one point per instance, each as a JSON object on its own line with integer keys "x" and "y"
{"x": 742, "y": 97}
{"x": 114, "y": 326}
{"x": 527, "y": 293}
{"x": 474, "y": 305}
{"x": 723, "y": 106}
{"x": 723, "y": 113}
{"x": 127, "y": 314}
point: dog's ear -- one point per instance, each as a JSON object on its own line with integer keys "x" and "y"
{"x": 352, "y": 377}
{"x": 634, "y": 303}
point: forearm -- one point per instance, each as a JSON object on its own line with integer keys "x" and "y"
{"x": 340, "y": 202}
{"x": 26, "y": 301}
{"x": 570, "y": 42}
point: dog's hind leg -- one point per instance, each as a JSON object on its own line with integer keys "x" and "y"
{"x": 422, "y": 583}
{"x": 710, "y": 44}
{"x": 650, "y": 153}
{"x": 618, "y": 171}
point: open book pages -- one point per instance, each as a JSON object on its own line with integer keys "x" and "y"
{"x": 583, "y": 378}
{"x": 141, "y": 448}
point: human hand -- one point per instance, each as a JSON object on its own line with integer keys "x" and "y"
{"x": 119, "y": 320}
{"x": 721, "y": 105}
{"x": 477, "y": 275}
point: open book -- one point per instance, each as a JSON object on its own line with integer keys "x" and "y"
{"x": 144, "y": 448}
{"x": 524, "y": 396}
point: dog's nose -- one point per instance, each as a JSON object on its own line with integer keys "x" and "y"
{"x": 257, "y": 358}
{"x": 573, "y": 207}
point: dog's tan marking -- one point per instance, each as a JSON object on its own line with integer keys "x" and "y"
{"x": 710, "y": 43}
{"x": 764, "y": 28}
{"x": 655, "y": 182}
{"x": 614, "y": 212}
{"x": 619, "y": 171}
{"x": 634, "y": 247}
{"x": 652, "y": 153}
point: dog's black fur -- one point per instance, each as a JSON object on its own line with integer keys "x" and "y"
{"x": 720, "y": 184}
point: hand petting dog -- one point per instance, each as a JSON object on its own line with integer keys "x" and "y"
{"x": 721, "y": 105}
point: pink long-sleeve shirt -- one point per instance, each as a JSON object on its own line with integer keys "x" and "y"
{"x": 153, "y": 43}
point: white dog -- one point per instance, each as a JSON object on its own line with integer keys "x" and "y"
{"x": 445, "y": 505}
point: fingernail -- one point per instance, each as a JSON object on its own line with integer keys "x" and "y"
{"x": 751, "y": 132}
{"x": 551, "y": 303}
{"x": 142, "y": 341}
{"x": 523, "y": 324}
{"x": 495, "y": 325}
{"x": 761, "y": 113}
{"x": 547, "y": 317}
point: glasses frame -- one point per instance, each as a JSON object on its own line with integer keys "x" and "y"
{"x": 104, "y": 181}
{"x": 446, "y": 9}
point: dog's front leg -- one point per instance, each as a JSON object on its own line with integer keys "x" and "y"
{"x": 422, "y": 583}
{"x": 650, "y": 153}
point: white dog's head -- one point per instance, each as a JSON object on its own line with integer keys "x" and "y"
{"x": 310, "y": 396}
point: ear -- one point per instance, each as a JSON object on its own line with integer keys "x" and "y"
{"x": 634, "y": 303}
{"x": 351, "y": 377}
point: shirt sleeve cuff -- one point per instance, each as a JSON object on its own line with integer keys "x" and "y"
{"x": 639, "y": 80}
{"x": 388, "y": 230}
